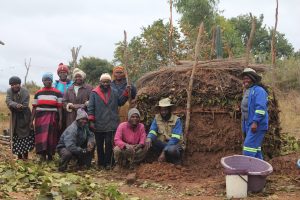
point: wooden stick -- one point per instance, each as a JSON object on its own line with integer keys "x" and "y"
{"x": 125, "y": 58}
{"x": 190, "y": 87}
{"x": 11, "y": 131}
{"x": 213, "y": 42}
{"x": 250, "y": 39}
{"x": 273, "y": 46}
{"x": 171, "y": 35}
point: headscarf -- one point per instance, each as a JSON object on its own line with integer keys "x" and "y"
{"x": 62, "y": 67}
{"x": 14, "y": 80}
{"x": 47, "y": 75}
{"x": 79, "y": 71}
{"x": 251, "y": 73}
{"x": 119, "y": 69}
{"x": 133, "y": 111}
{"x": 105, "y": 76}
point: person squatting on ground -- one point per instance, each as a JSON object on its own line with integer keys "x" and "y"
{"x": 104, "y": 120}
{"x": 77, "y": 141}
{"x": 17, "y": 100}
{"x": 47, "y": 114}
{"x": 120, "y": 84}
{"x": 254, "y": 113}
{"x": 166, "y": 133}
{"x": 130, "y": 141}
{"x": 77, "y": 96}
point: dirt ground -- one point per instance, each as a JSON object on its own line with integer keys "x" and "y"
{"x": 167, "y": 181}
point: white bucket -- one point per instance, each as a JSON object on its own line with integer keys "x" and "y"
{"x": 236, "y": 186}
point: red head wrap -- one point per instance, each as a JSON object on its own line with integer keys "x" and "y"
{"x": 62, "y": 67}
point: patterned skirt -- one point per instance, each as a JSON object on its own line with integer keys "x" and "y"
{"x": 46, "y": 132}
{"x": 23, "y": 145}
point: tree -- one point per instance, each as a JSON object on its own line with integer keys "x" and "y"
{"x": 283, "y": 47}
{"x": 150, "y": 50}
{"x": 233, "y": 46}
{"x": 94, "y": 67}
{"x": 262, "y": 40}
{"x": 27, "y": 66}
{"x": 196, "y": 11}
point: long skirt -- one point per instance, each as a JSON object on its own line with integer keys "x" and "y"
{"x": 46, "y": 132}
{"x": 23, "y": 145}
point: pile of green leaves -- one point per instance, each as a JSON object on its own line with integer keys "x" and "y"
{"x": 41, "y": 181}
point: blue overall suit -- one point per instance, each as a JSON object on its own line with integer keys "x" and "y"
{"x": 257, "y": 112}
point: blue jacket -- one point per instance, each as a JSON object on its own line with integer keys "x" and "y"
{"x": 257, "y": 109}
{"x": 62, "y": 86}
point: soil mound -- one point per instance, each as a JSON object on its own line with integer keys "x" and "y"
{"x": 286, "y": 165}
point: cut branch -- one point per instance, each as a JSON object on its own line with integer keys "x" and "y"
{"x": 190, "y": 87}
{"x": 250, "y": 39}
{"x": 125, "y": 58}
{"x": 171, "y": 35}
{"x": 273, "y": 45}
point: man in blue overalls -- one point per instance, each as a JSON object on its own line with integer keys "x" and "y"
{"x": 254, "y": 113}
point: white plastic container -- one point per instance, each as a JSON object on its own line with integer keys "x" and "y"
{"x": 236, "y": 186}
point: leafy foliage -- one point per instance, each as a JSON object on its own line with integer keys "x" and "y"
{"x": 28, "y": 177}
{"x": 196, "y": 11}
{"x": 150, "y": 50}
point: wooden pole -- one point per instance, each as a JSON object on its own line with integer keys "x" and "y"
{"x": 190, "y": 86}
{"x": 125, "y": 58}
{"x": 273, "y": 45}
{"x": 213, "y": 43}
{"x": 171, "y": 35}
{"x": 250, "y": 39}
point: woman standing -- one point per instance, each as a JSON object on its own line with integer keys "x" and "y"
{"x": 76, "y": 96}
{"x": 254, "y": 113}
{"x": 47, "y": 112}
{"x": 17, "y": 100}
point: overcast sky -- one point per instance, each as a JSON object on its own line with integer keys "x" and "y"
{"x": 46, "y": 30}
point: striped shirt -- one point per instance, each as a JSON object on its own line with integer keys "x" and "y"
{"x": 47, "y": 99}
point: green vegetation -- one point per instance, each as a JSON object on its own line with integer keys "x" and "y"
{"x": 43, "y": 182}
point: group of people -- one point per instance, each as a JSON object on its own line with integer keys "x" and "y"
{"x": 74, "y": 119}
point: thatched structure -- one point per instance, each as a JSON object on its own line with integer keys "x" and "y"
{"x": 215, "y": 118}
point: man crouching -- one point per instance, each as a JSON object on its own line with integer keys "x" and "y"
{"x": 130, "y": 141}
{"x": 76, "y": 142}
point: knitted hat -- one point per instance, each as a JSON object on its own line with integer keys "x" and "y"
{"x": 14, "y": 80}
{"x": 81, "y": 114}
{"x": 79, "y": 71}
{"x": 133, "y": 111}
{"x": 47, "y": 75}
{"x": 62, "y": 67}
{"x": 105, "y": 76}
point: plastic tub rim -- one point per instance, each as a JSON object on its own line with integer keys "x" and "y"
{"x": 265, "y": 172}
